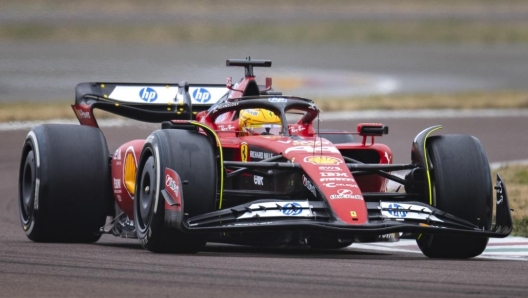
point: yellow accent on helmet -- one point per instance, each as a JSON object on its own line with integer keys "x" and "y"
{"x": 259, "y": 121}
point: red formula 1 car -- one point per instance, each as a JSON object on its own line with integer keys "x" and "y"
{"x": 244, "y": 164}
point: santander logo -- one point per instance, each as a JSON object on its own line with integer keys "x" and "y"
{"x": 173, "y": 185}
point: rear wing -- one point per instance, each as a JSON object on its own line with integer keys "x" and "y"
{"x": 146, "y": 102}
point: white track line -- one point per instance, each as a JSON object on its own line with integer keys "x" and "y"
{"x": 497, "y": 248}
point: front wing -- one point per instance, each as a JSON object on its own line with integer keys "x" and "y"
{"x": 314, "y": 216}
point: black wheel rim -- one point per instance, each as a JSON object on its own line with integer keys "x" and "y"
{"x": 28, "y": 180}
{"x": 146, "y": 194}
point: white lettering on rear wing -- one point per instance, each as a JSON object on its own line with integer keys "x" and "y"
{"x": 200, "y": 95}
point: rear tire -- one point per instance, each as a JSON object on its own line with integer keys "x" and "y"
{"x": 193, "y": 157}
{"x": 462, "y": 186}
{"x": 64, "y": 183}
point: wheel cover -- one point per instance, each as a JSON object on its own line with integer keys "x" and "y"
{"x": 146, "y": 194}
{"x": 28, "y": 180}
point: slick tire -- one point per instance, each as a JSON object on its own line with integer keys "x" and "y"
{"x": 461, "y": 186}
{"x": 64, "y": 183}
{"x": 192, "y": 156}
{"x": 336, "y": 138}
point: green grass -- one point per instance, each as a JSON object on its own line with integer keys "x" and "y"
{"x": 516, "y": 181}
{"x": 520, "y": 227}
{"x": 521, "y": 177}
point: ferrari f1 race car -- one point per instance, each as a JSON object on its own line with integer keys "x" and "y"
{"x": 243, "y": 164}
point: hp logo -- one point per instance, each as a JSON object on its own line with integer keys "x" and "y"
{"x": 397, "y": 210}
{"x": 148, "y": 94}
{"x": 201, "y": 95}
{"x": 291, "y": 209}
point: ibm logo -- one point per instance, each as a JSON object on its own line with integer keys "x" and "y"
{"x": 201, "y": 95}
{"x": 148, "y": 94}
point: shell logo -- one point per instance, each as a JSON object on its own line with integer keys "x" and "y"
{"x": 129, "y": 171}
{"x": 323, "y": 160}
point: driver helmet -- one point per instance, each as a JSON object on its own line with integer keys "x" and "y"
{"x": 259, "y": 122}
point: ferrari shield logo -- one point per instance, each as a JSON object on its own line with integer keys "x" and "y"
{"x": 353, "y": 213}
{"x": 243, "y": 152}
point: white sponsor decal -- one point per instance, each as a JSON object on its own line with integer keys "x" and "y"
{"x": 277, "y": 99}
{"x": 500, "y": 196}
{"x": 117, "y": 183}
{"x": 258, "y": 180}
{"x": 287, "y": 209}
{"x": 261, "y": 155}
{"x": 313, "y": 149}
{"x": 345, "y": 194}
{"x": 303, "y": 142}
{"x": 227, "y": 105}
{"x": 387, "y": 157}
{"x": 332, "y": 174}
{"x": 117, "y": 154}
{"x": 309, "y": 185}
{"x": 170, "y": 183}
{"x": 298, "y": 129}
{"x": 334, "y": 184}
{"x": 226, "y": 127}
{"x": 329, "y": 168}
{"x": 407, "y": 211}
{"x": 82, "y": 114}
{"x": 337, "y": 179}
{"x": 224, "y": 105}
{"x": 164, "y": 94}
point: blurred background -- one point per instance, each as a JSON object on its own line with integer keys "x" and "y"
{"x": 320, "y": 49}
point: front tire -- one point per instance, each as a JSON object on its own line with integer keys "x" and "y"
{"x": 64, "y": 183}
{"x": 461, "y": 186}
{"x": 192, "y": 156}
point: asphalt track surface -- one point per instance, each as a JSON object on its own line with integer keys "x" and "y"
{"x": 120, "y": 267}
{"x": 50, "y": 71}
